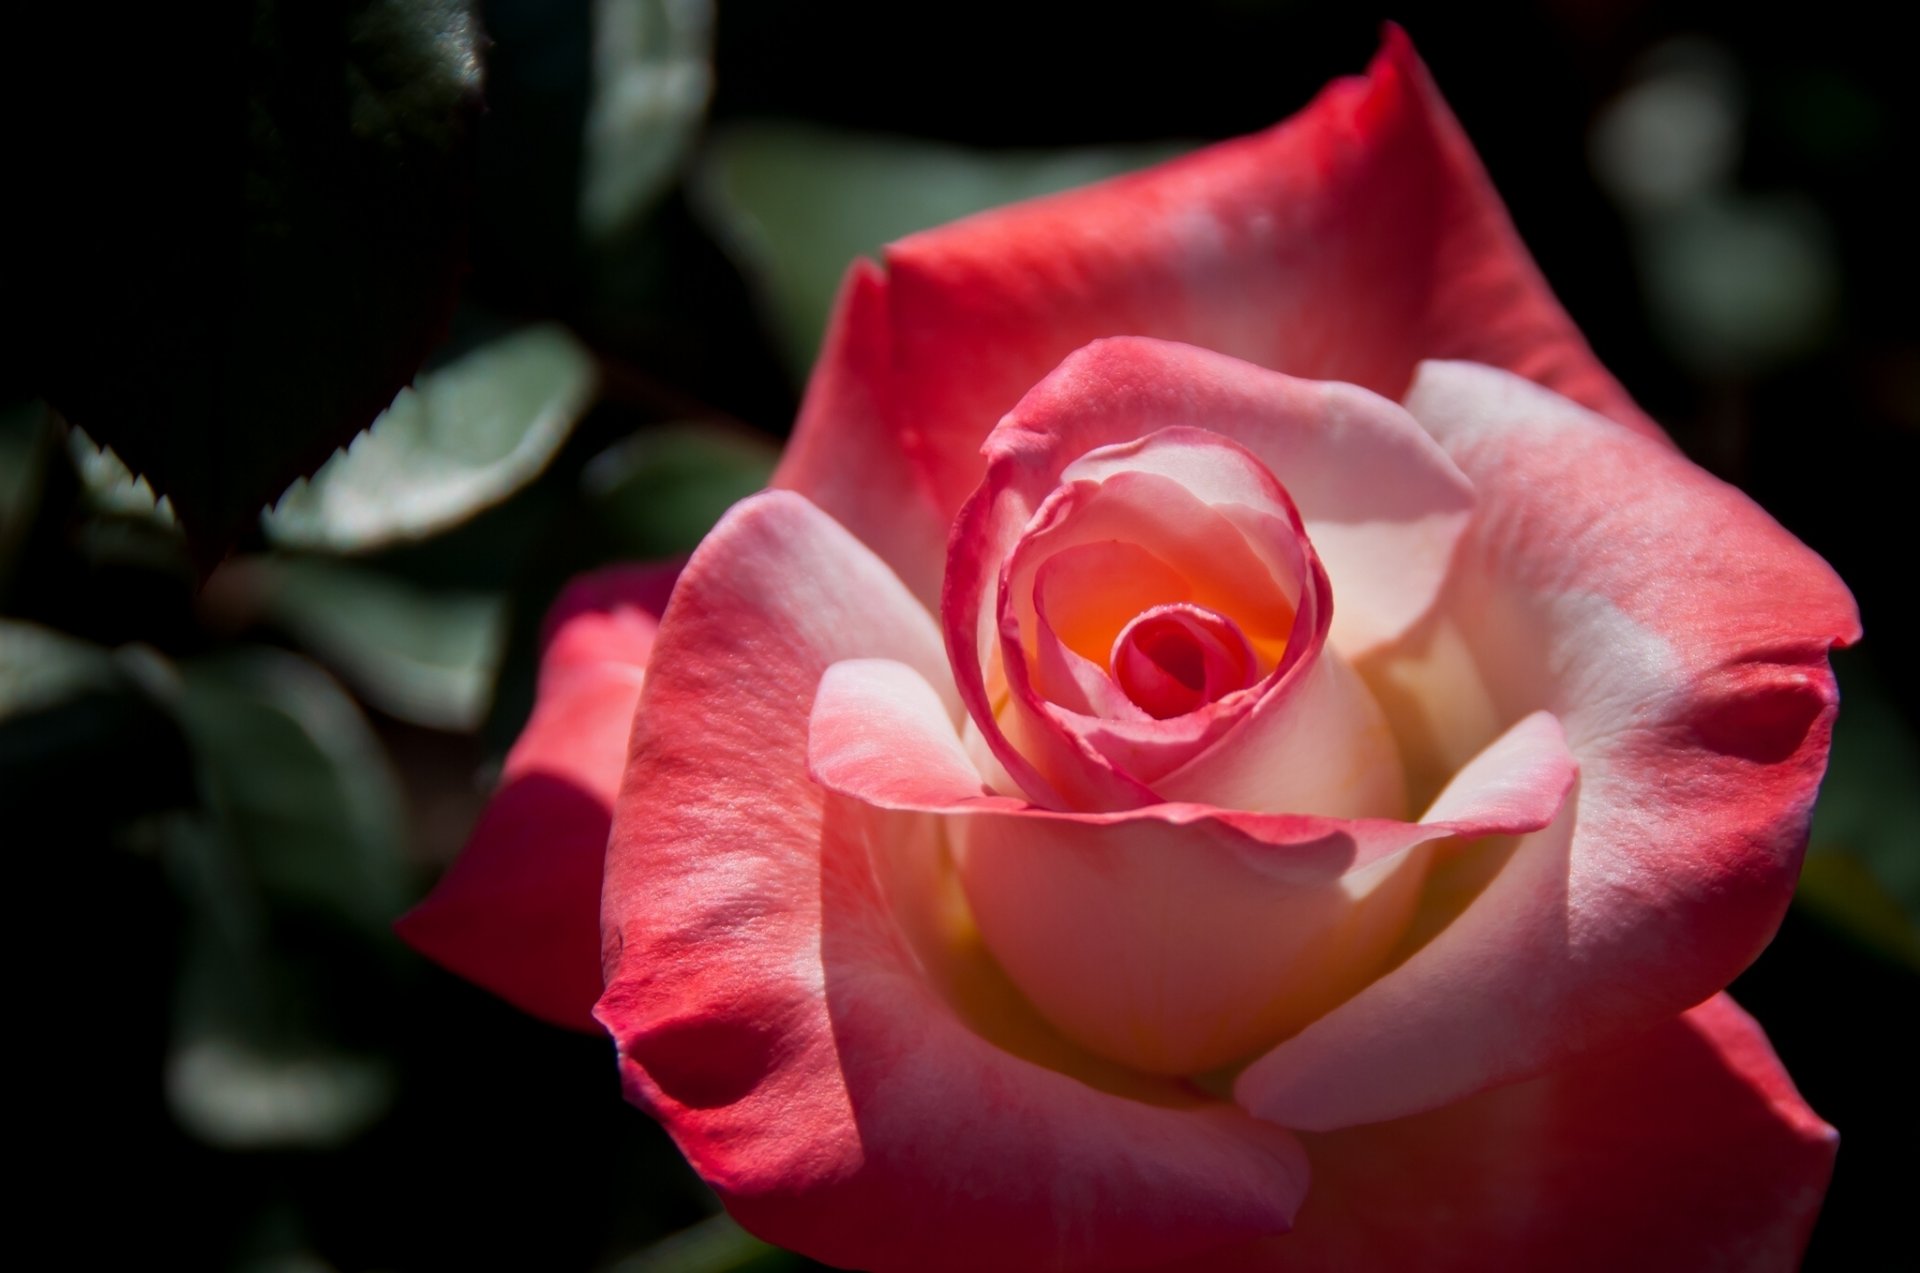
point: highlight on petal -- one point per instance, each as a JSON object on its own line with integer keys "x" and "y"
{"x": 1611, "y": 582}
{"x": 1680, "y": 1149}
{"x": 1174, "y": 938}
{"x": 770, "y": 1006}
{"x": 519, "y": 911}
{"x": 1345, "y": 244}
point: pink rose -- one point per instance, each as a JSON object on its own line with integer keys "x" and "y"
{"x": 1235, "y": 745}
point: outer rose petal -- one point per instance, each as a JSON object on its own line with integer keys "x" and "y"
{"x": 519, "y": 912}
{"x": 770, "y": 1012}
{"x": 1346, "y": 244}
{"x": 1682, "y": 637}
{"x": 849, "y": 453}
{"x": 1682, "y": 1151}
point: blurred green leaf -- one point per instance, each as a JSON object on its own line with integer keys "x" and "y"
{"x": 422, "y": 655}
{"x": 1844, "y": 889}
{"x": 296, "y": 777}
{"x": 243, "y": 1074}
{"x": 798, "y": 203}
{"x": 290, "y": 875}
{"x": 715, "y": 1245}
{"x": 25, "y": 431}
{"x": 652, "y": 76}
{"x": 39, "y": 667}
{"x": 660, "y": 492}
{"x": 1863, "y": 863}
{"x": 278, "y": 1240}
{"x": 111, "y": 487}
{"x": 82, "y": 733}
{"x": 1738, "y": 282}
{"x": 120, "y": 524}
{"x": 253, "y": 234}
{"x": 466, "y": 437}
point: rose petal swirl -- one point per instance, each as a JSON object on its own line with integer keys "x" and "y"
{"x": 1176, "y": 658}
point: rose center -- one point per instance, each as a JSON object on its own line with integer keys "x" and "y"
{"x": 1174, "y": 659}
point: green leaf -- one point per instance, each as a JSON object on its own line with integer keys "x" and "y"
{"x": 652, "y": 76}
{"x": 715, "y": 1245}
{"x": 799, "y": 203}
{"x": 422, "y": 655}
{"x": 290, "y": 876}
{"x": 1842, "y": 888}
{"x": 659, "y": 493}
{"x": 83, "y": 736}
{"x": 466, "y": 437}
{"x": 253, "y": 234}
{"x": 297, "y": 778}
{"x": 111, "y": 487}
{"x": 39, "y": 667}
{"x": 25, "y": 433}
{"x": 244, "y": 1071}
{"x": 1863, "y": 861}
{"x": 592, "y": 107}
{"x": 1741, "y": 282}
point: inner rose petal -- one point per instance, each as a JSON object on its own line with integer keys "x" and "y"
{"x": 1174, "y": 659}
{"x": 1207, "y": 558}
{"x": 1099, "y": 554}
{"x": 1140, "y": 620}
{"x": 1087, "y": 593}
{"x": 1388, "y": 501}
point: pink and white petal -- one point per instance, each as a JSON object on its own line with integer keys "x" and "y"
{"x": 768, "y": 1008}
{"x": 1347, "y": 244}
{"x": 519, "y": 911}
{"x": 1319, "y": 744}
{"x": 1381, "y": 502}
{"x": 1088, "y": 594}
{"x": 872, "y": 713}
{"x": 1250, "y": 568}
{"x": 1110, "y": 763}
{"x": 1063, "y": 677}
{"x": 848, "y": 453}
{"x": 1174, "y": 938}
{"x": 1168, "y": 951}
{"x": 1395, "y": 528}
{"x": 1215, "y": 470}
{"x": 1682, "y": 638}
{"x": 985, "y": 531}
{"x": 1685, "y": 1148}
{"x": 878, "y": 732}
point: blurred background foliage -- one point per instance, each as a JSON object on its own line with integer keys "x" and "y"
{"x": 233, "y": 747}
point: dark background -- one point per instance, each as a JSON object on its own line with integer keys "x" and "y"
{"x": 1709, "y": 188}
